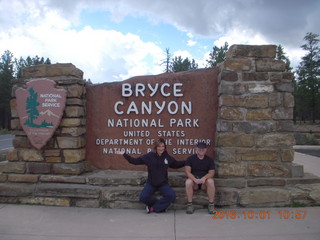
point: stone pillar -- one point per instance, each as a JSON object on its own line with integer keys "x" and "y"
{"x": 254, "y": 128}
{"x": 65, "y": 151}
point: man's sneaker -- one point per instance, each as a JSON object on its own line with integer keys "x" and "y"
{"x": 211, "y": 208}
{"x": 149, "y": 209}
{"x": 190, "y": 208}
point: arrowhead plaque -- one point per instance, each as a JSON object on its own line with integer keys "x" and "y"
{"x": 40, "y": 109}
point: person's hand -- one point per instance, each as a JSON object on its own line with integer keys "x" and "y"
{"x": 120, "y": 152}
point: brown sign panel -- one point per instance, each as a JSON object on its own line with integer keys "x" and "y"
{"x": 131, "y": 115}
{"x": 40, "y": 108}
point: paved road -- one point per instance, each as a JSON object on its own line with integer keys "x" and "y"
{"x": 23, "y": 222}
{"x": 6, "y": 142}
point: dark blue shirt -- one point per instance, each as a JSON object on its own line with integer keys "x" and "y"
{"x": 200, "y": 167}
{"x": 157, "y": 166}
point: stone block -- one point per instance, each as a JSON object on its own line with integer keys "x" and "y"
{"x": 74, "y": 156}
{"x": 53, "y": 159}
{"x": 75, "y": 101}
{"x": 266, "y": 182}
{"x": 15, "y": 124}
{"x": 235, "y": 140}
{"x": 226, "y": 100}
{"x": 120, "y": 193}
{"x": 260, "y": 88}
{"x": 75, "y": 91}
{"x": 48, "y": 201}
{"x": 52, "y": 152}
{"x": 62, "y": 179}
{"x": 229, "y": 76}
{"x": 251, "y": 101}
{"x": 224, "y": 126}
{"x": 3, "y": 177}
{"x": 70, "y": 122}
{"x": 12, "y": 155}
{"x": 51, "y": 70}
{"x": 27, "y": 178}
{"x": 231, "y": 113}
{"x": 39, "y": 168}
{"x": 287, "y": 155}
{"x": 67, "y": 190}
{"x": 255, "y": 76}
{"x": 268, "y": 170}
{"x": 74, "y": 131}
{"x": 225, "y": 154}
{"x": 275, "y": 140}
{"x": 230, "y": 183}
{"x": 270, "y": 65}
{"x": 68, "y": 168}
{"x": 315, "y": 193}
{"x": 281, "y": 113}
{"x": 252, "y": 197}
{"x": 276, "y": 76}
{"x": 257, "y": 155}
{"x": 70, "y": 142}
{"x": 297, "y": 170}
{"x": 226, "y": 197}
{"x": 231, "y": 170}
{"x": 275, "y": 99}
{"x": 288, "y": 101}
{"x": 16, "y": 189}
{"x": 258, "y": 51}
{"x": 74, "y": 111}
{"x": 232, "y": 88}
{"x": 238, "y": 64}
{"x": 259, "y": 114}
{"x": 13, "y": 107}
{"x": 119, "y": 177}
{"x": 284, "y": 87}
{"x": 30, "y": 155}
{"x": 254, "y": 127}
{"x": 21, "y": 142}
{"x": 12, "y": 167}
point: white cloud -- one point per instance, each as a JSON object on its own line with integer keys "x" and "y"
{"x": 191, "y": 43}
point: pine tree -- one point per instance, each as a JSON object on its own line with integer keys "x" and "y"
{"x": 307, "y": 92}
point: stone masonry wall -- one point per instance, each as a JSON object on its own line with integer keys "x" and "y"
{"x": 254, "y": 133}
{"x": 254, "y": 145}
{"x": 65, "y": 151}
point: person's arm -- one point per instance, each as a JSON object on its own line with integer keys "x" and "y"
{"x": 210, "y": 174}
{"x": 187, "y": 170}
{"x": 177, "y": 164}
{"x": 132, "y": 160}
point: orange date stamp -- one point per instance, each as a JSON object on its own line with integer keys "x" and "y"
{"x": 261, "y": 214}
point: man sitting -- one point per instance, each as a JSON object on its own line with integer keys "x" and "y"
{"x": 200, "y": 170}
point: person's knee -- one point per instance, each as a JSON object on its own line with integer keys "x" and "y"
{"x": 171, "y": 196}
{"x": 210, "y": 183}
{"x": 189, "y": 183}
{"x": 143, "y": 198}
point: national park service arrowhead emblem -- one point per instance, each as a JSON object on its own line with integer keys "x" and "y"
{"x": 40, "y": 109}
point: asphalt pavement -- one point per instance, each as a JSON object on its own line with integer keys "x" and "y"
{"x": 25, "y": 222}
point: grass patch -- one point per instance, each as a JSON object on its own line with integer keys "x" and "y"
{"x": 298, "y": 205}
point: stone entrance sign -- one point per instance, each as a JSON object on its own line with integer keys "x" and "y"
{"x": 40, "y": 108}
{"x": 131, "y": 115}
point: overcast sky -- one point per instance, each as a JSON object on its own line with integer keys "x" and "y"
{"x": 112, "y": 40}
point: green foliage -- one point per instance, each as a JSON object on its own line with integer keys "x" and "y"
{"x": 307, "y": 86}
{"x": 6, "y": 74}
{"x": 21, "y": 63}
{"x": 281, "y": 55}
{"x": 10, "y": 68}
{"x": 217, "y": 55}
{"x": 178, "y": 64}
